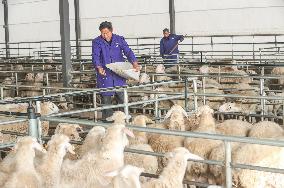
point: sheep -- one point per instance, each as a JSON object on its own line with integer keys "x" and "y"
{"x": 47, "y": 108}
{"x": 9, "y": 92}
{"x": 233, "y": 69}
{"x": 148, "y": 162}
{"x": 92, "y": 140}
{"x": 166, "y": 143}
{"x": 140, "y": 142}
{"x": 70, "y": 130}
{"x": 200, "y": 146}
{"x": 266, "y": 129}
{"x": 49, "y": 169}
{"x": 218, "y": 154}
{"x": 90, "y": 168}
{"x": 279, "y": 71}
{"x": 24, "y": 173}
{"x": 126, "y": 177}
{"x": 173, "y": 173}
{"x": 143, "y": 78}
{"x": 118, "y": 117}
{"x": 238, "y": 107}
{"x": 140, "y": 137}
{"x": 234, "y": 127}
{"x": 160, "y": 69}
{"x": 258, "y": 155}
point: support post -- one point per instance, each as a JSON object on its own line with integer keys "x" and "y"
{"x": 65, "y": 42}
{"x": 77, "y": 28}
{"x": 33, "y": 128}
{"x": 6, "y": 27}
{"x": 172, "y": 16}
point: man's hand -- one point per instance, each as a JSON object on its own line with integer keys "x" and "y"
{"x": 101, "y": 71}
{"x": 136, "y": 66}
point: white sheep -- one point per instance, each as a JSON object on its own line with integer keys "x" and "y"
{"x": 118, "y": 117}
{"x": 49, "y": 169}
{"x": 89, "y": 170}
{"x": 160, "y": 69}
{"x": 24, "y": 173}
{"x": 173, "y": 173}
{"x": 266, "y": 129}
{"x": 258, "y": 155}
{"x": 279, "y": 71}
{"x": 234, "y": 127}
{"x": 165, "y": 143}
{"x": 126, "y": 177}
{"x": 200, "y": 146}
{"x": 92, "y": 141}
{"x": 140, "y": 142}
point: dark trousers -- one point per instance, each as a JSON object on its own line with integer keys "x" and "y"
{"x": 107, "y": 100}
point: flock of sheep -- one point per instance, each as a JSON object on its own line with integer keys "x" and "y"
{"x": 101, "y": 162}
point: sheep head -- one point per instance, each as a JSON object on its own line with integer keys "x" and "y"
{"x": 205, "y": 109}
{"x": 39, "y": 77}
{"x": 229, "y": 107}
{"x": 183, "y": 153}
{"x": 141, "y": 120}
{"x": 118, "y": 117}
{"x": 48, "y": 108}
{"x": 144, "y": 78}
{"x": 176, "y": 108}
{"x": 160, "y": 69}
{"x": 204, "y": 69}
{"x": 30, "y": 77}
{"x": 61, "y": 141}
{"x": 127, "y": 176}
{"x": 70, "y": 130}
{"x": 29, "y": 142}
{"x": 8, "y": 81}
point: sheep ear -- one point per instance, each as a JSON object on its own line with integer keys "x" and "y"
{"x": 70, "y": 148}
{"x": 194, "y": 157}
{"x": 112, "y": 173}
{"x": 128, "y": 132}
{"x": 38, "y": 147}
{"x": 169, "y": 155}
{"x": 109, "y": 118}
{"x": 149, "y": 121}
{"x": 185, "y": 113}
{"x": 169, "y": 114}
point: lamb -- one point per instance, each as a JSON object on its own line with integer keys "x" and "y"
{"x": 148, "y": 162}
{"x": 49, "y": 169}
{"x": 126, "y": 177}
{"x": 88, "y": 171}
{"x": 266, "y": 129}
{"x": 70, "y": 130}
{"x": 165, "y": 143}
{"x": 24, "y": 173}
{"x": 160, "y": 69}
{"x": 238, "y": 107}
{"x": 258, "y": 155}
{"x": 118, "y": 117}
{"x": 279, "y": 71}
{"x": 234, "y": 127}
{"x": 47, "y": 108}
{"x": 140, "y": 137}
{"x": 92, "y": 141}
{"x": 200, "y": 146}
{"x": 173, "y": 173}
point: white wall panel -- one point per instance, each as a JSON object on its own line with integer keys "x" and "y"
{"x": 202, "y": 17}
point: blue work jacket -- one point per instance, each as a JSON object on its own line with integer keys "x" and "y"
{"x": 104, "y": 53}
{"x": 166, "y": 46}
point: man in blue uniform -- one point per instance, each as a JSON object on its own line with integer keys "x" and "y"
{"x": 169, "y": 47}
{"x": 109, "y": 48}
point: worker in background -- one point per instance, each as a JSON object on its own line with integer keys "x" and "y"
{"x": 169, "y": 47}
{"x": 109, "y": 48}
